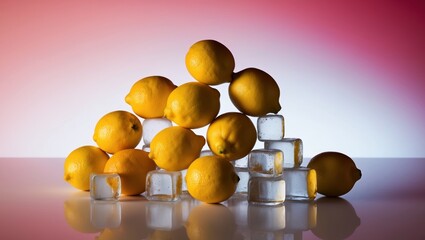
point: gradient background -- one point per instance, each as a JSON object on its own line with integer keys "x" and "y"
{"x": 351, "y": 73}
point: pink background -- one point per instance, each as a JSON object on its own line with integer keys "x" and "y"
{"x": 351, "y": 73}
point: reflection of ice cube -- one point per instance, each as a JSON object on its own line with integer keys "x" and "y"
{"x": 269, "y": 218}
{"x": 266, "y": 190}
{"x": 271, "y": 127}
{"x": 301, "y": 183}
{"x": 105, "y": 214}
{"x": 241, "y": 163}
{"x": 164, "y": 215}
{"x": 243, "y": 175}
{"x": 163, "y": 185}
{"x": 292, "y": 149}
{"x": 151, "y": 126}
{"x": 265, "y": 163}
{"x": 105, "y": 186}
{"x": 238, "y": 205}
{"x": 300, "y": 215}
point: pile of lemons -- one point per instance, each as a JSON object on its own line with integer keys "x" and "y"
{"x": 230, "y": 136}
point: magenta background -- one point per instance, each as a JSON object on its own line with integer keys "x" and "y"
{"x": 351, "y": 73}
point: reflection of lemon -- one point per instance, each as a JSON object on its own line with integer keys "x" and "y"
{"x": 231, "y": 136}
{"x": 254, "y": 92}
{"x": 193, "y": 105}
{"x": 77, "y": 214}
{"x": 210, "y": 62}
{"x": 118, "y": 130}
{"x": 175, "y": 148}
{"x": 81, "y": 162}
{"x": 211, "y": 179}
{"x": 132, "y": 165}
{"x": 133, "y": 221}
{"x": 210, "y": 221}
{"x": 148, "y": 96}
{"x": 336, "y": 173}
{"x": 336, "y": 219}
{"x": 179, "y": 234}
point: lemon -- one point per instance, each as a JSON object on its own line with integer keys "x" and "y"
{"x": 231, "y": 136}
{"x": 148, "y": 96}
{"x": 81, "y": 162}
{"x": 193, "y": 105}
{"x": 211, "y": 179}
{"x": 336, "y": 173}
{"x": 118, "y": 130}
{"x": 175, "y": 148}
{"x": 210, "y": 62}
{"x": 132, "y": 165}
{"x": 254, "y": 92}
{"x": 210, "y": 221}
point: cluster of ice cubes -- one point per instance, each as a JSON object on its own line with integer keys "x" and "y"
{"x": 274, "y": 173}
{"x": 268, "y": 176}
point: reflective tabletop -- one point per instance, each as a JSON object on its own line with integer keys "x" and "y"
{"x": 387, "y": 203}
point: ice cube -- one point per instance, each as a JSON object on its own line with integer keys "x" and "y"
{"x": 152, "y": 126}
{"x": 300, "y": 215}
{"x": 269, "y": 218}
{"x": 265, "y": 163}
{"x": 105, "y": 186}
{"x": 301, "y": 183}
{"x": 266, "y": 190}
{"x": 243, "y": 175}
{"x": 241, "y": 163}
{"x": 184, "y": 185}
{"x": 206, "y": 153}
{"x": 292, "y": 149}
{"x": 164, "y": 215}
{"x": 105, "y": 214}
{"x": 162, "y": 185}
{"x": 146, "y": 148}
{"x": 271, "y": 127}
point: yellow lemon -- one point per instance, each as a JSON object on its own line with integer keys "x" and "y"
{"x": 148, "y": 96}
{"x": 336, "y": 173}
{"x": 231, "y": 136}
{"x": 211, "y": 179}
{"x": 193, "y": 105}
{"x": 81, "y": 162}
{"x": 118, "y": 130}
{"x": 254, "y": 92}
{"x": 175, "y": 148}
{"x": 210, "y": 221}
{"x": 132, "y": 165}
{"x": 210, "y": 62}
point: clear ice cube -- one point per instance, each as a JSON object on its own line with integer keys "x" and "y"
{"x": 300, "y": 215}
{"x": 164, "y": 215}
{"x": 243, "y": 175}
{"x": 301, "y": 183}
{"x": 269, "y": 218}
{"x": 184, "y": 185}
{"x": 241, "y": 163}
{"x": 105, "y": 186}
{"x": 146, "y": 148}
{"x": 271, "y": 127}
{"x": 206, "y": 153}
{"x": 266, "y": 190}
{"x": 105, "y": 214}
{"x": 162, "y": 185}
{"x": 152, "y": 126}
{"x": 292, "y": 149}
{"x": 265, "y": 163}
